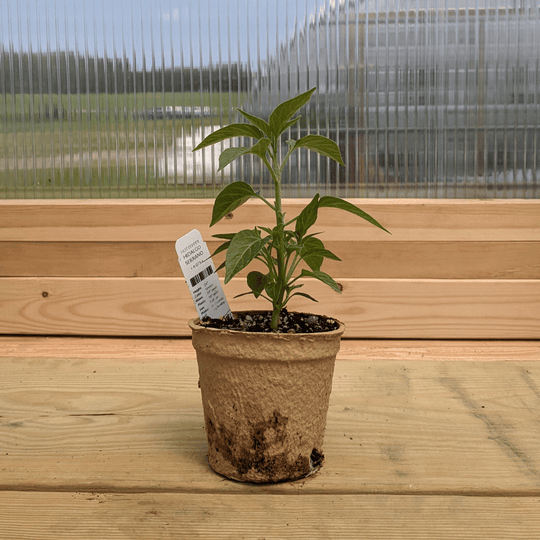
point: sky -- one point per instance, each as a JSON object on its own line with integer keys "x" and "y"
{"x": 178, "y": 32}
{"x": 166, "y": 30}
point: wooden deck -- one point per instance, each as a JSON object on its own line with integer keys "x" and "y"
{"x": 104, "y": 438}
{"x": 434, "y": 422}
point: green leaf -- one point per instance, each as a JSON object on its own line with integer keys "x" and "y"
{"x": 228, "y": 132}
{"x": 261, "y": 147}
{"x": 322, "y": 145}
{"x": 283, "y": 112}
{"x": 257, "y": 281}
{"x": 334, "y": 202}
{"x": 259, "y": 123}
{"x": 313, "y": 253}
{"x": 321, "y": 276}
{"x": 278, "y": 231}
{"x": 307, "y": 217}
{"x": 289, "y": 124}
{"x": 304, "y": 295}
{"x": 243, "y": 249}
{"x": 230, "y": 154}
{"x": 230, "y": 198}
{"x": 272, "y": 290}
{"x": 221, "y": 248}
{"x": 224, "y": 236}
{"x": 242, "y": 294}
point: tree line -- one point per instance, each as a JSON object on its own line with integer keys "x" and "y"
{"x": 66, "y": 72}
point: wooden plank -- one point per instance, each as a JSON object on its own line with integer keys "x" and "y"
{"x": 351, "y": 349}
{"x": 167, "y": 220}
{"x": 371, "y": 260}
{"x": 422, "y": 309}
{"x": 102, "y": 516}
{"x": 441, "y": 351}
{"x": 417, "y": 428}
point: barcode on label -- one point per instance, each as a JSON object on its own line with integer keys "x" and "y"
{"x": 201, "y": 275}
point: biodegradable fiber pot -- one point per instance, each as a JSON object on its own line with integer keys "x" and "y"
{"x": 265, "y": 399}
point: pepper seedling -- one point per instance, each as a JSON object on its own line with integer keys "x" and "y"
{"x": 281, "y": 248}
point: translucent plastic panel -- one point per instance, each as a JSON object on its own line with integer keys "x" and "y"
{"x": 434, "y": 99}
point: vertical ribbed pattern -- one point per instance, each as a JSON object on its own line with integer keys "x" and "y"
{"x": 426, "y": 98}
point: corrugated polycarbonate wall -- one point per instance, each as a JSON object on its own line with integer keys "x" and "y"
{"x": 425, "y": 99}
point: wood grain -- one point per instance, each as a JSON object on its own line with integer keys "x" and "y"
{"x": 450, "y": 269}
{"x": 167, "y": 220}
{"x": 436, "y": 309}
{"x": 416, "y": 428}
{"x": 367, "y": 260}
{"x": 103, "y": 516}
{"x": 351, "y": 349}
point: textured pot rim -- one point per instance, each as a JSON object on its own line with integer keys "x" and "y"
{"x": 193, "y": 324}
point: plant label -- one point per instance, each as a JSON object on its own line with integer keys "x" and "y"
{"x": 201, "y": 278}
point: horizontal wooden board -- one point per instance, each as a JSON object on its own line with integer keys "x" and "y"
{"x": 423, "y": 309}
{"x": 351, "y": 349}
{"x": 104, "y": 516}
{"x": 167, "y": 220}
{"x": 388, "y": 260}
{"x": 394, "y": 427}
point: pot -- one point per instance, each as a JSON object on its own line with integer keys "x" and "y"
{"x": 265, "y": 400}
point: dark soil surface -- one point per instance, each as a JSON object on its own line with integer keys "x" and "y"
{"x": 289, "y": 323}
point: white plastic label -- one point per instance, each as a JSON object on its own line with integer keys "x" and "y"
{"x": 201, "y": 277}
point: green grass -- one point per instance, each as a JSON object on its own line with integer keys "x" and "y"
{"x": 77, "y": 131}
{"x": 25, "y": 104}
{"x": 90, "y": 183}
{"x": 28, "y": 146}
{"x": 53, "y": 138}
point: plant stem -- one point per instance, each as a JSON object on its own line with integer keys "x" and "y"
{"x": 280, "y": 248}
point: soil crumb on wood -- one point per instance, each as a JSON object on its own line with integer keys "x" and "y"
{"x": 289, "y": 322}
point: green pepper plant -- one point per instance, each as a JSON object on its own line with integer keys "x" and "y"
{"x": 283, "y": 247}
